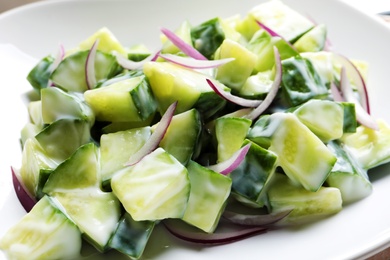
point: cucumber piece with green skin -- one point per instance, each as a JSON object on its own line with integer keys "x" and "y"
{"x": 348, "y": 176}
{"x": 371, "y": 148}
{"x": 251, "y": 178}
{"x": 302, "y": 155}
{"x": 127, "y": 100}
{"x": 75, "y": 183}
{"x": 234, "y": 74}
{"x": 208, "y": 196}
{"x": 306, "y": 205}
{"x": 116, "y": 149}
{"x": 300, "y": 82}
{"x": 44, "y": 233}
{"x": 155, "y": 188}
{"x": 35, "y": 112}
{"x": 230, "y": 133}
{"x": 95, "y": 213}
{"x": 171, "y": 83}
{"x": 350, "y": 122}
{"x": 312, "y": 41}
{"x": 322, "y": 62}
{"x": 262, "y": 44}
{"x": 257, "y": 86}
{"x": 40, "y": 74}
{"x": 138, "y": 52}
{"x": 323, "y": 117}
{"x": 182, "y": 136}
{"x": 282, "y": 19}
{"x": 122, "y": 126}
{"x": 70, "y": 73}
{"x": 107, "y": 42}
{"x": 63, "y": 137}
{"x": 58, "y": 104}
{"x": 29, "y": 130}
{"x": 71, "y": 174}
{"x": 131, "y": 237}
{"x": 36, "y": 167}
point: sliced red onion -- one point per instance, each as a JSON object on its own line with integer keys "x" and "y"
{"x": 193, "y": 63}
{"x": 135, "y": 65}
{"x": 268, "y": 30}
{"x": 232, "y": 163}
{"x": 336, "y": 93}
{"x": 357, "y": 78}
{"x": 59, "y": 57}
{"x": 155, "y": 139}
{"x": 212, "y": 238}
{"x": 26, "y": 199}
{"x": 90, "y": 76}
{"x": 272, "y": 92}
{"x": 232, "y": 98}
{"x": 362, "y": 115}
{"x": 182, "y": 45}
{"x": 255, "y": 220}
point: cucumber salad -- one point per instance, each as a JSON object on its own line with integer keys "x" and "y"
{"x": 231, "y": 128}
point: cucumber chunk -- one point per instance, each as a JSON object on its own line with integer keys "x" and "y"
{"x": 182, "y": 136}
{"x": 230, "y": 133}
{"x": 155, "y": 188}
{"x": 323, "y": 117}
{"x": 257, "y": 86}
{"x": 131, "y": 237}
{"x": 234, "y": 74}
{"x": 251, "y": 178}
{"x": 58, "y": 104}
{"x": 171, "y": 83}
{"x": 208, "y": 195}
{"x": 306, "y": 205}
{"x": 371, "y": 148}
{"x": 348, "y": 176}
{"x": 127, "y": 100}
{"x": 44, "y": 233}
{"x": 302, "y": 155}
{"x": 313, "y": 40}
{"x": 116, "y": 149}
{"x": 40, "y": 74}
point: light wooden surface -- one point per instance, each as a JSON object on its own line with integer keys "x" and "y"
{"x": 9, "y": 4}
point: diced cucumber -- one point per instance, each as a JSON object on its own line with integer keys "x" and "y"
{"x": 183, "y": 32}
{"x": 348, "y": 176}
{"x": 370, "y": 148}
{"x": 251, "y": 178}
{"x": 138, "y": 52}
{"x": 35, "y": 112}
{"x": 171, "y": 83}
{"x": 70, "y": 73}
{"x": 350, "y": 122}
{"x": 323, "y": 117}
{"x": 302, "y": 155}
{"x": 127, "y": 100}
{"x": 306, "y": 205}
{"x": 44, "y": 233}
{"x": 300, "y": 82}
{"x": 40, "y": 74}
{"x": 234, "y": 74}
{"x": 182, "y": 136}
{"x": 155, "y": 188}
{"x": 262, "y": 44}
{"x": 62, "y": 138}
{"x": 131, "y": 237}
{"x": 207, "y": 37}
{"x": 122, "y": 126}
{"x": 116, "y": 149}
{"x": 29, "y": 131}
{"x": 247, "y": 26}
{"x": 96, "y": 213}
{"x": 282, "y": 19}
{"x": 257, "y": 86}
{"x": 322, "y": 62}
{"x": 58, "y": 104}
{"x": 208, "y": 195}
{"x": 230, "y": 133}
{"x": 107, "y": 42}
{"x": 36, "y": 167}
{"x": 313, "y": 40}
{"x": 79, "y": 171}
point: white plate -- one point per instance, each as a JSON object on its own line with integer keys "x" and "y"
{"x": 358, "y": 231}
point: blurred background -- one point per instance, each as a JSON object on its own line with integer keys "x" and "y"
{"x": 9, "y": 4}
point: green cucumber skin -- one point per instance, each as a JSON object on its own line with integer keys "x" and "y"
{"x": 40, "y": 74}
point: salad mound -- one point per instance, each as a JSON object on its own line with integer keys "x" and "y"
{"x": 251, "y": 122}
